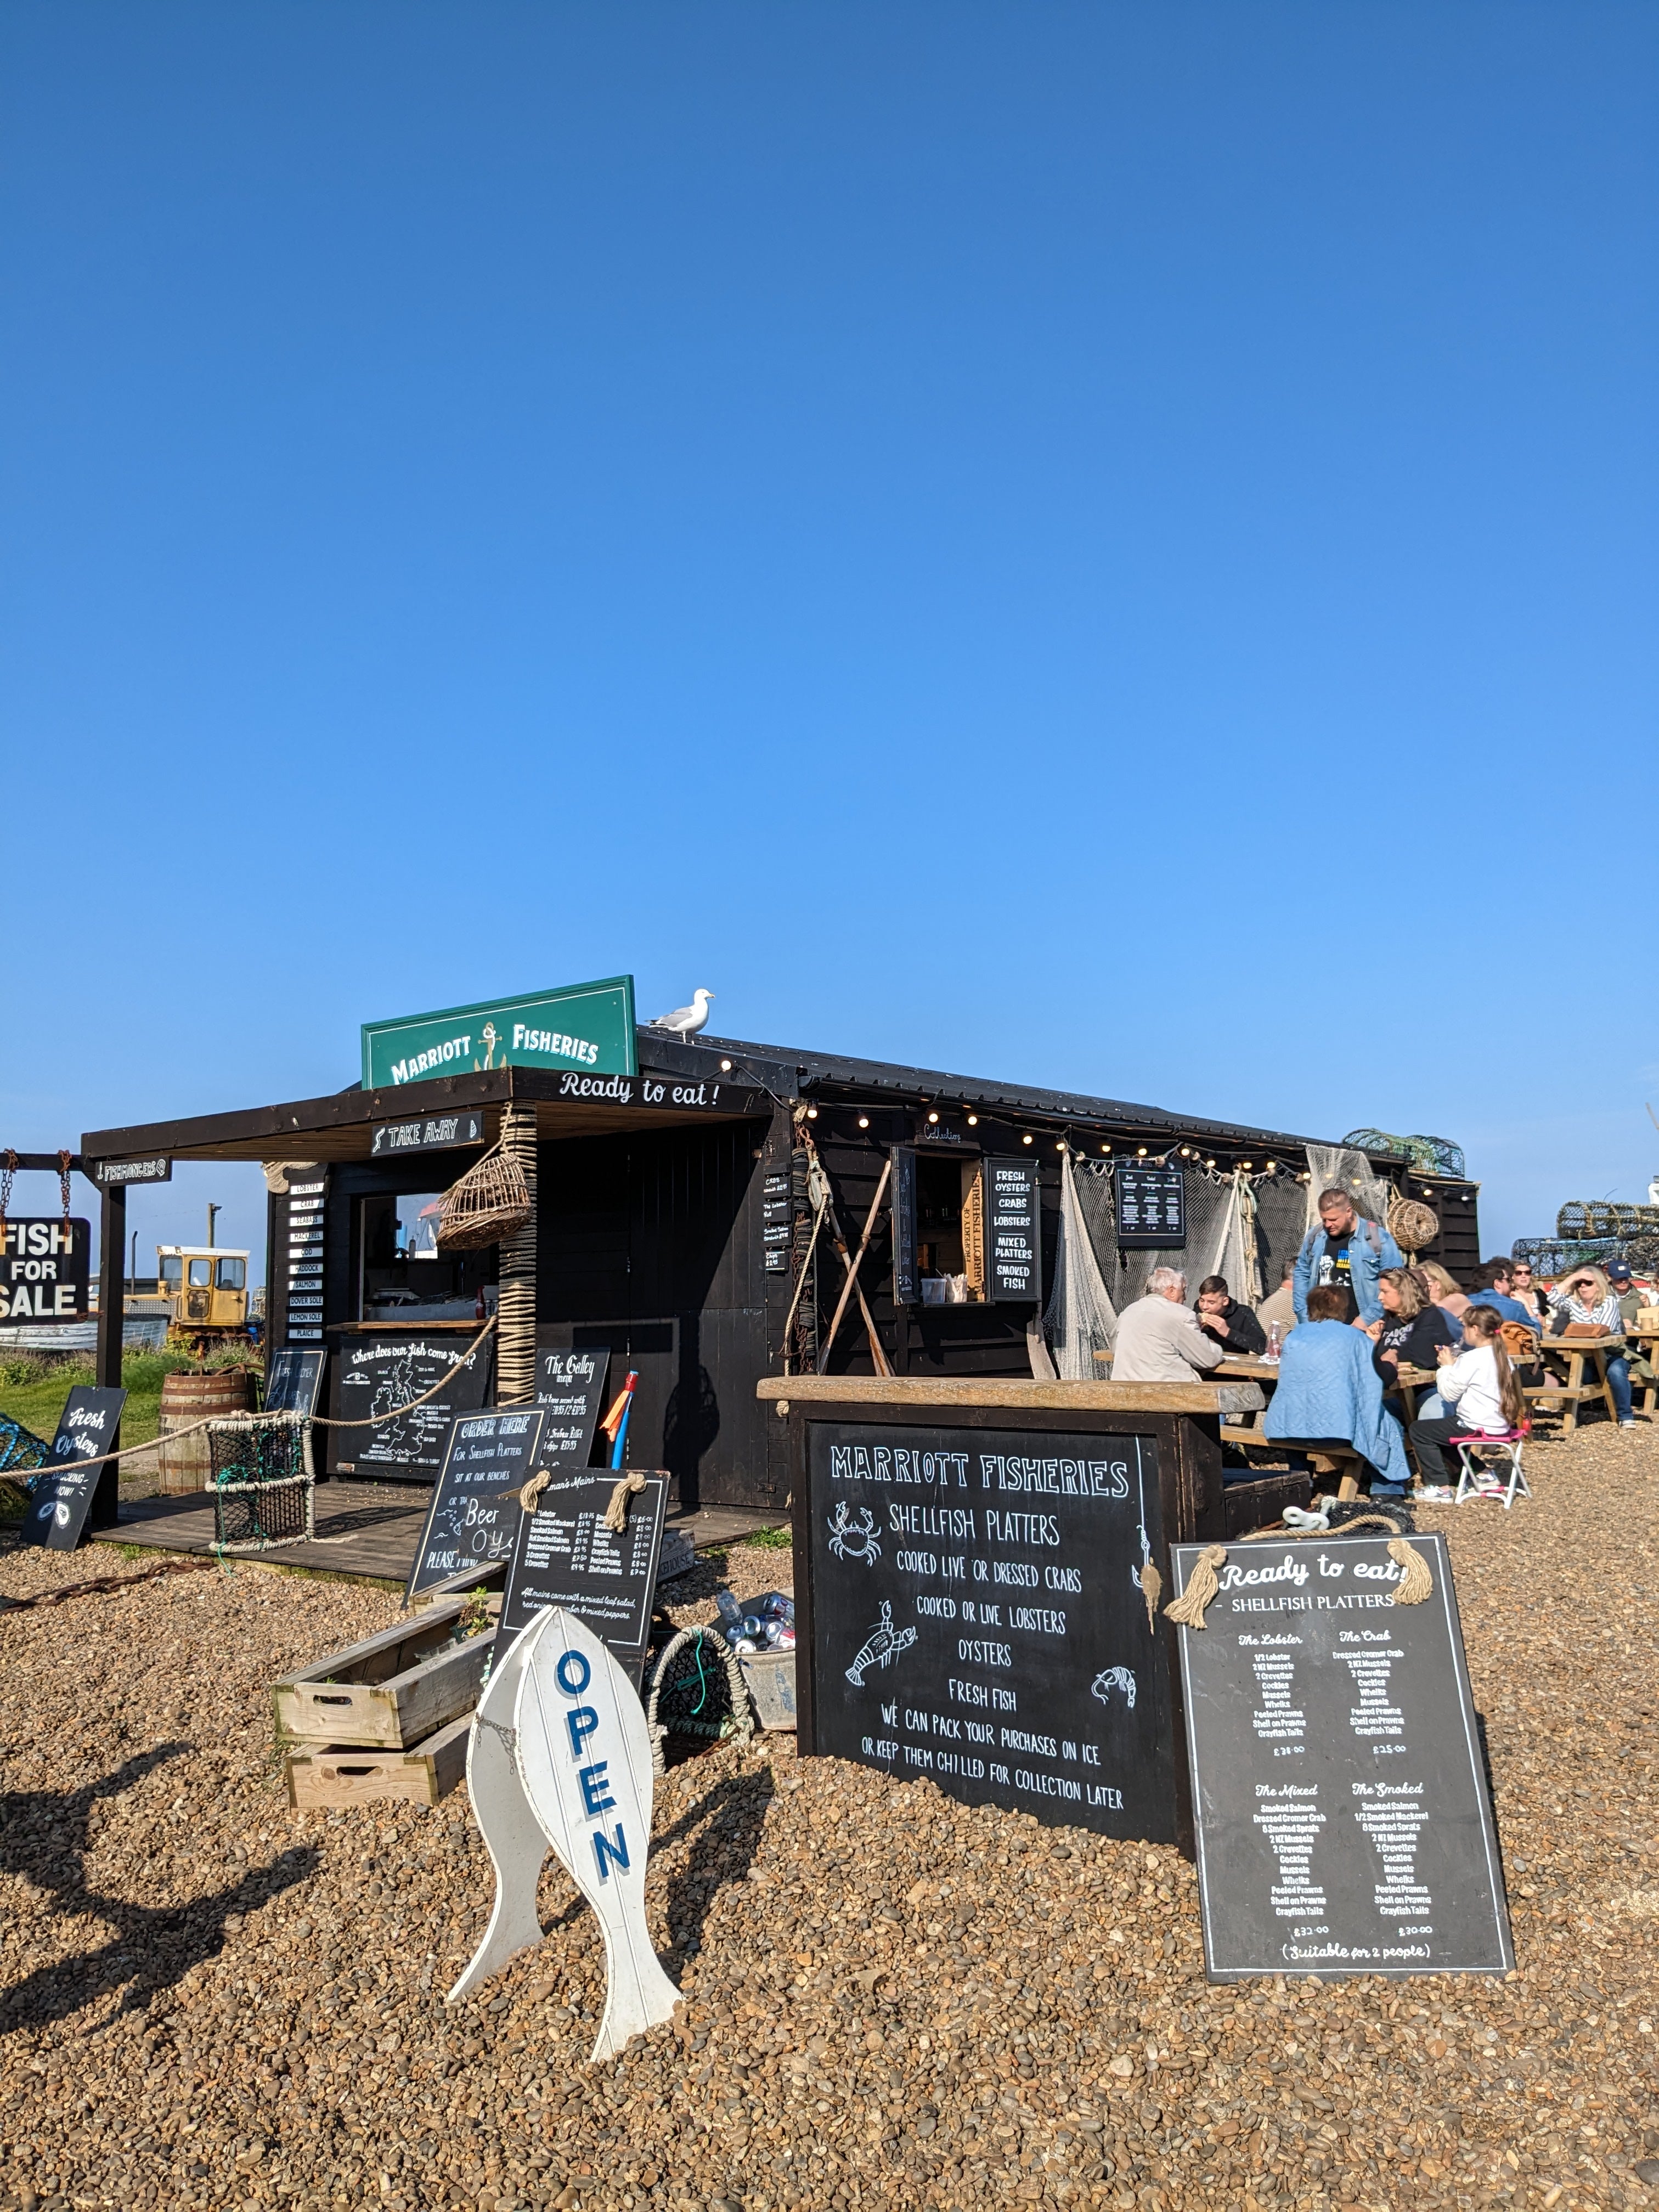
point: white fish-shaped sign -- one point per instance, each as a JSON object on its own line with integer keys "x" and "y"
{"x": 572, "y": 1769}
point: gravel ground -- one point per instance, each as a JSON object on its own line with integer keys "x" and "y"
{"x": 208, "y": 1999}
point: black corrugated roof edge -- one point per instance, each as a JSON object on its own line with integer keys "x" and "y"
{"x": 842, "y": 1072}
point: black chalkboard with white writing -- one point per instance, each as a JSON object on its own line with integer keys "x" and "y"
{"x": 565, "y": 1556}
{"x": 978, "y": 1618}
{"x": 570, "y": 1391}
{"x": 1013, "y": 1251}
{"x": 474, "y": 1511}
{"x": 294, "y": 1380}
{"x": 1151, "y": 1209}
{"x": 381, "y": 1374}
{"x": 1344, "y": 1823}
{"x": 60, "y": 1504}
{"x": 906, "y": 1270}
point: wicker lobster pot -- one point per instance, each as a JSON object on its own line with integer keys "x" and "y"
{"x": 1412, "y": 1225}
{"x": 490, "y": 1202}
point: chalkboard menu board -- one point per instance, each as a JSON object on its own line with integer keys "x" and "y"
{"x": 292, "y": 1379}
{"x": 305, "y": 1227}
{"x": 475, "y": 1512}
{"x": 1344, "y": 1826}
{"x": 565, "y": 1556}
{"x": 906, "y": 1274}
{"x": 570, "y": 1391}
{"x": 1151, "y": 1209}
{"x": 977, "y": 1617}
{"x": 376, "y": 1373}
{"x": 59, "y": 1503}
{"x": 1012, "y": 1232}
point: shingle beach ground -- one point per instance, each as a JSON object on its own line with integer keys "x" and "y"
{"x": 206, "y": 1999}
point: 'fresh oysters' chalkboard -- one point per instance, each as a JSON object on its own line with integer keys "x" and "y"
{"x": 59, "y": 1503}
{"x": 978, "y": 1617}
{"x": 474, "y": 1511}
{"x": 566, "y": 1556}
{"x": 1344, "y": 1824}
{"x": 570, "y": 1391}
{"x": 377, "y": 1375}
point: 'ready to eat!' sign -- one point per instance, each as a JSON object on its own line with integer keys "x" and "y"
{"x": 589, "y": 1027}
{"x": 45, "y": 1266}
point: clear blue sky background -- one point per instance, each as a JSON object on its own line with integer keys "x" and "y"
{"x": 1110, "y": 544}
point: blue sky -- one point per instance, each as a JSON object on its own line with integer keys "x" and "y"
{"x": 1112, "y": 544}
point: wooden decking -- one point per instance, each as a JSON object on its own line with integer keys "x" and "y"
{"x": 368, "y": 1529}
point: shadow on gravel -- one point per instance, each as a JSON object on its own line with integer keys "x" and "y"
{"x": 43, "y": 1838}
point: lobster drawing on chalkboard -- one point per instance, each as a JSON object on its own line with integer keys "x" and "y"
{"x": 848, "y": 1542}
{"x": 1114, "y": 1678}
{"x": 882, "y": 1645}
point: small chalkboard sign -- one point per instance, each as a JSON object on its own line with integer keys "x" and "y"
{"x": 474, "y": 1511}
{"x": 566, "y": 1556}
{"x": 570, "y": 1391}
{"x": 1012, "y": 1232}
{"x": 978, "y": 1618}
{"x": 61, "y": 1502}
{"x": 376, "y": 1374}
{"x": 293, "y": 1381}
{"x": 1151, "y": 1209}
{"x": 906, "y": 1270}
{"x": 1343, "y": 1818}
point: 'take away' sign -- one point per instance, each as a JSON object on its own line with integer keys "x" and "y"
{"x": 44, "y": 1269}
{"x": 586, "y": 1026}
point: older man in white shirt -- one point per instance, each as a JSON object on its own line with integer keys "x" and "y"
{"x": 1158, "y": 1339}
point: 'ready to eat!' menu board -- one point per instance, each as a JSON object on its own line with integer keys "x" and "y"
{"x": 1343, "y": 1819}
{"x": 977, "y": 1617}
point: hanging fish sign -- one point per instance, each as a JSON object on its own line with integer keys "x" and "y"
{"x": 572, "y": 1769}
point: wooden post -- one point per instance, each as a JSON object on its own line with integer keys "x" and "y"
{"x": 515, "y": 1331}
{"x": 112, "y": 1315}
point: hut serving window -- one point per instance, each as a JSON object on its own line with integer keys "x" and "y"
{"x": 404, "y": 1275}
{"x": 949, "y": 1231}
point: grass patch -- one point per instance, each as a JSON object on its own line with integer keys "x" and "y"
{"x": 771, "y": 1540}
{"x": 33, "y": 1391}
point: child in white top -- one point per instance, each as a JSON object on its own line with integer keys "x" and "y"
{"x": 1482, "y": 1388}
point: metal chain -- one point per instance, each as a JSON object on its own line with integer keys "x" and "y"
{"x": 7, "y": 1177}
{"x": 64, "y": 1159}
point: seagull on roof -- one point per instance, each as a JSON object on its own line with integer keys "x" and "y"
{"x": 686, "y": 1021}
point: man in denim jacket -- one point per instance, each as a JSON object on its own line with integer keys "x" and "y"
{"x": 1344, "y": 1253}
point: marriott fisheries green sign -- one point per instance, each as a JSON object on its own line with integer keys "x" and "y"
{"x": 586, "y": 1025}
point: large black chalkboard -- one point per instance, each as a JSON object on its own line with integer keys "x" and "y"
{"x": 1151, "y": 1209}
{"x": 1013, "y": 1245}
{"x": 977, "y": 1617}
{"x": 375, "y": 1373}
{"x": 293, "y": 1379}
{"x": 59, "y": 1503}
{"x": 570, "y": 1391}
{"x": 1344, "y": 1825}
{"x": 475, "y": 1512}
{"x": 564, "y": 1555}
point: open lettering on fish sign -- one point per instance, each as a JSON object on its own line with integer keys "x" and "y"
{"x": 581, "y": 1781}
{"x": 978, "y": 1618}
{"x": 1343, "y": 1821}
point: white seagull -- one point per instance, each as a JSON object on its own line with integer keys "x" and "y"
{"x": 686, "y": 1021}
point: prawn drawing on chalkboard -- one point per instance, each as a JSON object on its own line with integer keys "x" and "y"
{"x": 881, "y": 1646}
{"x": 1114, "y": 1678}
{"x": 848, "y": 1540}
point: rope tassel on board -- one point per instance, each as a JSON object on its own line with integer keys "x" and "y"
{"x": 1188, "y": 1608}
{"x": 1416, "y": 1582}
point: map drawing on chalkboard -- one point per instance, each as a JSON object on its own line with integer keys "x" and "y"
{"x": 380, "y": 1374}
{"x": 848, "y": 1542}
{"x": 882, "y": 1645}
{"x": 1115, "y": 1678}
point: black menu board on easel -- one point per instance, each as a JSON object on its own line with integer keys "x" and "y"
{"x": 1013, "y": 1246}
{"x": 570, "y": 1391}
{"x": 61, "y": 1502}
{"x": 1343, "y": 1821}
{"x": 565, "y": 1556}
{"x": 474, "y": 1511}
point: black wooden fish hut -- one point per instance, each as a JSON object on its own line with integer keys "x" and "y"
{"x": 695, "y": 1202}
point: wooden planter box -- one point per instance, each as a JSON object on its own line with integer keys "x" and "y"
{"x": 318, "y": 1779}
{"x": 390, "y": 1692}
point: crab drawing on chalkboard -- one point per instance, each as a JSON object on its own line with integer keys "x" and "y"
{"x": 1114, "y": 1678}
{"x": 881, "y": 1646}
{"x": 850, "y": 1541}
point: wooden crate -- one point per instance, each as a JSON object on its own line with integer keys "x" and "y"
{"x": 390, "y": 1692}
{"x": 489, "y": 1575}
{"x": 350, "y": 1776}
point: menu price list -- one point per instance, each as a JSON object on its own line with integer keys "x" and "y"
{"x": 1013, "y": 1231}
{"x": 564, "y": 1555}
{"x": 1344, "y": 1825}
{"x": 978, "y": 1617}
{"x": 304, "y": 1308}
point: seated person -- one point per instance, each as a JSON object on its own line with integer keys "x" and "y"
{"x": 1442, "y": 1290}
{"x": 1412, "y": 1329}
{"x": 1480, "y": 1387}
{"x": 1330, "y": 1393}
{"x": 1586, "y": 1302}
{"x": 1631, "y": 1301}
{"x": 1523, "y": 1289}
{"x": 1233, "y": 1326}
{"x": 1282, "y": 1306}
{"x": 1157, "y": 1339}
{"x": 1496, "y": 1280}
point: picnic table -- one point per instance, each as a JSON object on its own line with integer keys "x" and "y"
{"x": 1574, "y": 1352}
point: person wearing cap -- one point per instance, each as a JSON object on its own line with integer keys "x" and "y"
{"x": 1622, "y": 1283}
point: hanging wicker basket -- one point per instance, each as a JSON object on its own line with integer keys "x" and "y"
{"x": 490, "y": 1203}
{"x": 1412, "y": 1225}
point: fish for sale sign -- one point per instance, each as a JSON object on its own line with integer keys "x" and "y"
{"x": 45, "y": 1268}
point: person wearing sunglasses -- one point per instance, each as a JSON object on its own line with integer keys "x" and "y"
{"x": 1524, "y": 1290}
{"x": 1586, "y": 1297}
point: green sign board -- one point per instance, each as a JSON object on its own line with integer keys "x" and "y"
{"x": 586, "y": 1026}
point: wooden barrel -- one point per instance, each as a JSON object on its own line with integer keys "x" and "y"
{"x": 187, "y": 1398}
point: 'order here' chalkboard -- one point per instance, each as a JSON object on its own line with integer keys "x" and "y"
{"x": 978, "y": 1617}
{"x": 1344, "y": 1825}
{"x": 475, "y": 1512}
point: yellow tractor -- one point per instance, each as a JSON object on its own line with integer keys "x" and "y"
{"x": 205, "y": 1286}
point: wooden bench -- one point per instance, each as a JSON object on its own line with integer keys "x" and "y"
{"x": 1325, "y": 1459}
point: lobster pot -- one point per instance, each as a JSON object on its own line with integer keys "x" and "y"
{"x": 262, "y": 1490}
{"x": 186, "y": 1462}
